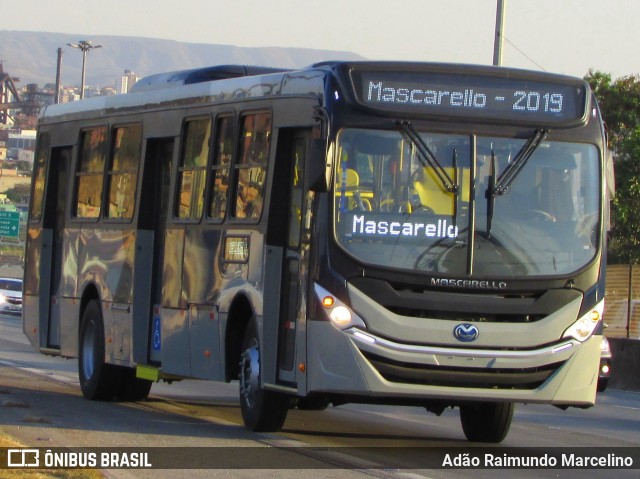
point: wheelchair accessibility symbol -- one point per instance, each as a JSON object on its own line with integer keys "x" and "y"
{"x": 156, "y": 340}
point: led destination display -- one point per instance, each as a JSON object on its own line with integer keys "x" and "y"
{"x": 385, "y": 225}
{"x": 561, "y": 103}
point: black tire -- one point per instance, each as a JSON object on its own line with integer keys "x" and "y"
{"x": 262, "y": 410}
{"x": 98, "y": 380}
{"x": 130, "y": 387}
{"x": 486, "y": 422}
{"x": 313, "y": 403}
{"x": 602, "y": 384}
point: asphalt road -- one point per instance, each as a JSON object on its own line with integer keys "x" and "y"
{"x": 41, "y": 405}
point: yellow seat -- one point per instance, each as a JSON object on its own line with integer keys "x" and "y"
{"x": 351, "y": 189}
{"x": 433, "y": 195}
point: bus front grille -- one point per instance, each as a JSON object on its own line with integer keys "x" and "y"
{"x": 466, "y": 317}
{"x": 409, "y": 373}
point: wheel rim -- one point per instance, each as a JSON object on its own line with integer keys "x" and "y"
{"x": 250, "y": 374}
{"x": 88, "y": 350}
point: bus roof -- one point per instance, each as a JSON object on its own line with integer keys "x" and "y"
{"x": 192, "y": 87}
{"x": 224, "y": 83}
{"x": 200, "y": 75}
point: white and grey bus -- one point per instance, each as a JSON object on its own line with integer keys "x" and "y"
{"x": 351, "y": 232}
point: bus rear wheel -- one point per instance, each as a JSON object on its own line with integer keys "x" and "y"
{"x": 130, "y": 387}
{"x": 98, "y": 380}
{"x": 486, "y": 422}
{"x": 262, "y": 410}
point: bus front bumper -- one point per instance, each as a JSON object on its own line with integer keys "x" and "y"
{"x": 357, "y": 363}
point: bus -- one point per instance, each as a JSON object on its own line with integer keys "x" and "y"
{"x": 395, "y": 233}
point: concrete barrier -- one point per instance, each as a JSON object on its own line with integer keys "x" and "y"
{"x": 625, "y": 364}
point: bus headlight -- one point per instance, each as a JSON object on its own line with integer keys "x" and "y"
{"x": 583, "y": 328}
{"x": 340, "y": 315}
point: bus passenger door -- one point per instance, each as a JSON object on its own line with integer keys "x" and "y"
{"x": 54, "y": 219}
{"x": 154, "y": 204}
{"x": 287, "y": 256}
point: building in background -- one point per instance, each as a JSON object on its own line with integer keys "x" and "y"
{"x": 126, "y": 81}
{"x": 21, "y": 146}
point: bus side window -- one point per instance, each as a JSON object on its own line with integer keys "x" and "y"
{"x": 123, "y": 174}
{"x": 90, "y": 174}
{"x": 223, "y": 149}
{"x": 193, "y": 168}
{"x": 251, "y": 168}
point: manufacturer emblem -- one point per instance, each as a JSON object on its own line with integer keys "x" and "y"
{"x": 466, "y": 333}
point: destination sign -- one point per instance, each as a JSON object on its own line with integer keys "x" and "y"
{"x": 472, "y": 96}
{"x": 397, "y": 226}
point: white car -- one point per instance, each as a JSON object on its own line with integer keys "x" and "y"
{"x": 10, "y": 295}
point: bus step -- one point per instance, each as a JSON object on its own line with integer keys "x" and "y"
{"x": 50, "y": 351}
{"x": 152, "y": 373}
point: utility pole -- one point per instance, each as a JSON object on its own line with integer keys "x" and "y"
{"x": 58, "y": 76}
{"x": 497, "y": 45}
{"x": 85, "y": 46}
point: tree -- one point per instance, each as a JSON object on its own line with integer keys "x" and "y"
{"x": 19, "y": 193}
{"x": 619, "y": 102}
{"x": 24, "y": 122}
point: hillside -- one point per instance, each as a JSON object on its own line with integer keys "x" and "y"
{"x": 32, "y": 56}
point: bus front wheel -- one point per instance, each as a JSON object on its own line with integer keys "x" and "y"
{"x": 486, "y": 422}
{"x": 262, "y": 410}
{"x": 98, "y": 380}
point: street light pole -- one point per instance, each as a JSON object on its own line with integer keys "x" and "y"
{"x": 499, "y": 35}
{"x": 58, "y": 75}
{"x": 85, "y": 46}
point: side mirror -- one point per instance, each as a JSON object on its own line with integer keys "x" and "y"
{"x": 318, "y": 166}
{"x": 611, "y": 187}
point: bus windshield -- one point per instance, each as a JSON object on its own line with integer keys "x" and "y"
{"x": 440, "y": 203}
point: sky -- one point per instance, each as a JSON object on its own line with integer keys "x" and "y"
{"x": 563, "y": 36}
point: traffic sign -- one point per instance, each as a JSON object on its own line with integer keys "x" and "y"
{"x": 10, "y": 223}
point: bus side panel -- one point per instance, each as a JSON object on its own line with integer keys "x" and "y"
{"x": 31, "y": 313}
{"x": 172, "y": 268}
{"x": 174, "y": 348}
{"x": 119, "y": 318}
{"x": 175, "y": 342}
{"x": 204, "y": 343}
{"x": 33, "y": 259}
{"x": 106, "y": 259}
{"x": 68, "y": 305}
{"x": 69, "y": 328}
{"x": 69, "y": 283}
{"x": 201, "y": 284}
{"x": 35, "y": 304}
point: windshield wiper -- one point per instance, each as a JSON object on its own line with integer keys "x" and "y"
{"x": 426, "y": 156}
{"x": 507, "y": 177}
{"x": 502, "y": 184}
{"x": 491, "y": 197}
